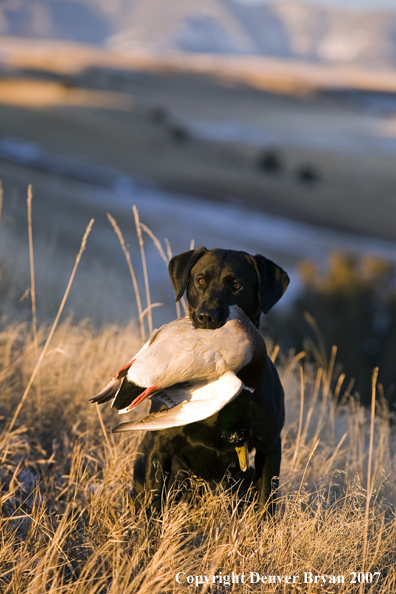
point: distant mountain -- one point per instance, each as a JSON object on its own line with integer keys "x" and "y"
{"x": 283, "y": 28}
{"x": 75, "y": 20}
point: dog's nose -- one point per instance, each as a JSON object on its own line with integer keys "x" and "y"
{"x": 209, "y": 318}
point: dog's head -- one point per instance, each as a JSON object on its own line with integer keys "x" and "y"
{"x": 216, "y": 279}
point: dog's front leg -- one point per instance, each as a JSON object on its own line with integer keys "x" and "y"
{"x": 157, "y": 471}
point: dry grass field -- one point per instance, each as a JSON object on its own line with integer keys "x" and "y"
{"x": 71, "y": 523}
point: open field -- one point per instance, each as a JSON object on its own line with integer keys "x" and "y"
{"x": 71, "y": 522}
{"x": 350, "y": 186}
{"x": 192, "y": 132}
{"x": 190, "y": 127}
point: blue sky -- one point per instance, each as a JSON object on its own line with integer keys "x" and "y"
{"x": 372, "y": 4}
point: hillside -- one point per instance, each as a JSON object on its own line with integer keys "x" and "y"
{"x": 286, "y": 28}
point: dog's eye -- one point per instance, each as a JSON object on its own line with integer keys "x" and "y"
{"x": 201, "y": 281}
{"x": 236, "y": 286}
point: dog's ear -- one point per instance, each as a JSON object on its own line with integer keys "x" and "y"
{"x": 180, "y": 268}
{"x": 273, "y": 281}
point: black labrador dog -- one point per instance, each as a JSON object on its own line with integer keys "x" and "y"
{"x": 214, "y": 280}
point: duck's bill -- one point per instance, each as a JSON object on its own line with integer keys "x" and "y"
{"x": 201, "y": 401}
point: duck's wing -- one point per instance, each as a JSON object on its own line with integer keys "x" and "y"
{"x": 170, "y": 397}
{"x": 201, "y": 401}
{"x": 174, "y": 395}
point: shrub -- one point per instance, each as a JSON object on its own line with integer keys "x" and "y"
{"x": 352, "y": 304}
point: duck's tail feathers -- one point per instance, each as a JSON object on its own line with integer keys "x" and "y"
{"x": 126, "y": 395}
{"x": 108, "y": 392}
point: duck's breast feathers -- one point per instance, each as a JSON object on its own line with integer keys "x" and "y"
{"x": 246, "y": 353}
{"x": 238, "y": 341}
{"x": 236, "y": 344}
{"x": 166, "y": 331}
{"x": 163, "y": 368}
{"x": 179, "y": 352}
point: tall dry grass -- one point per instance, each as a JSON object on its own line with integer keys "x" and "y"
{"x": 71, "y": 522}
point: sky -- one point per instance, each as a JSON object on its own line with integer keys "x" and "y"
{"x": 371, "y": 4}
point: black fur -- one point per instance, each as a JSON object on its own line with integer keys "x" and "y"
{"x": 214, "y": 280}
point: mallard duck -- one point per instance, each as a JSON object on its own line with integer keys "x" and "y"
{"x": 192, "y": 371}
